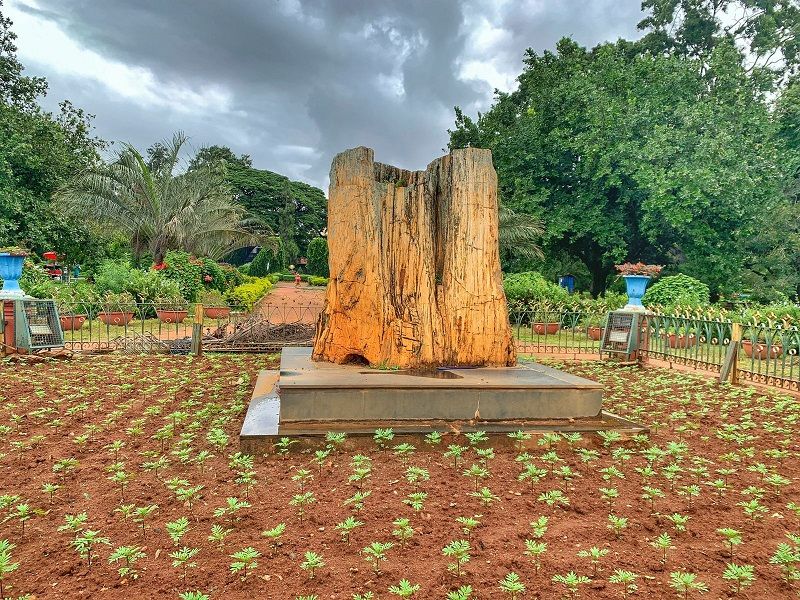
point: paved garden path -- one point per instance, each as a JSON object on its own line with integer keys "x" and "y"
{"x": 289, "y": 304}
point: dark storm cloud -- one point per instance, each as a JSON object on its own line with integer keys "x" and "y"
{"x": 304, "y": 79}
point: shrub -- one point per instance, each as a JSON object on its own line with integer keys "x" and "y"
{"x": 677, "y": 289}
{"x": 268, "y": 260}
{"x": 313, "y": 280}
{"x": 35, "y": 281}
{"x": 113, "y": 276}
{"x": 77, "y": 298}
{"x": 531, "y": 288}
{"x": 186, "y": 271}
{"x": 213, "y": 298}
{"x": 244, "y": 269}
{"x": 249, "y": 293}
{"x": 233, "y": 276}
{"x": 317, "y": 254}
{"x": 146, "y": 286}
{"x": 212, "y": 275}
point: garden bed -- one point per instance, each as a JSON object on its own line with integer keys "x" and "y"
{"x": 113, "y": 414}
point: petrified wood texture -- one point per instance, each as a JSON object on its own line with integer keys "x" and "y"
{"x": 415, "y": 266}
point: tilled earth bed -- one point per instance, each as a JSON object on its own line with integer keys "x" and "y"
{"x": 137, "y": 457}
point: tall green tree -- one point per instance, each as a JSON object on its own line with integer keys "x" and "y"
{"x": 38, "y": 151}
{"x": 161, "y": 208}
{"x": 628, "y": 155}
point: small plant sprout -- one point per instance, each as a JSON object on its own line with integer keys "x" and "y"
{"x": 417, "y": 475}
{"x": 476, "y": 438}
{"x": 548, "y": 439}
{"x": 347, "y": 526}
{"x": 455, "y": 452}
{"x": 177, "y": 529}
{"x": 403, "y": 530}
{"x": 357, "y": 499}
{"x": 375, "y": 553}
{"x": 476, "y": 472}
{"x": 404, "y": 589}
{"x": 73, "y": 523}
{"x": 462, "y": 593}
{"x": 787, "y": 557}
{"x": 689, "y": 492}
{"x": 302, "y": 476}
{"x": 22, "y": 513}
{"x": 512, "y": 585}
{"x": 685, "y": 583}
{"x": 663, "y": 544}
{"x": 532, "y": 474}
{"x": 651, "y": 494}
{"x": 458, "y": 552}
{"x": 740, "y": 576}
{"x": 535, "y": 549}
{"x": 519, "y": 437}
{"x": 320, "y": 456}
{"x": 539, "y": 527}
{"x": 732, "y": 538}
{"x": 468, "y": 524}
{"x": 334, "y": 440}
{"x": 283, "y": 445}
{"x": 218, "y": 535}
{"x": 617, "y": 524}
{"x": 364, "y": 596}
{"x": 189, "y": 495}
{"x": 196, "y": 595}
{"x": 678, "y": 521}
{"x": 359, "y": 476}
{"x": 626, "y": 579}
{"x": 594, "y": 554}
{"x": 50, "y": 489}
{"x": 312, "y": 561}
{"x": 485, "y": 496}
{"x": 572, "y": 582}
{"x": 182, "y": 559}
{"x": 274, "y": 536}
{"x": 7, "y": 566}
{"x": 609, "y": 437}
{"x": 142, "y": 513}
{"x": 231, "y": 508}
{"x": 244, "y": 561}
{"x": 554, "y": 498}
{"x": 128, "y": 555}
{"x": 433, "y": 438}
{"x": 85, "y": 542}
{"x": 404, "y": 451}
{"x": 753, "y": 509}
{"x": 416, "y": 500}
{"x": 383, "y": 437}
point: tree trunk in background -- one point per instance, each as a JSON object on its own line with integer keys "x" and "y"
{"x": 414, "y": 264}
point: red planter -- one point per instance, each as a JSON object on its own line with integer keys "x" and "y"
{"x": 216, "y": 312}
{"x": 681, "y": 341}
{"x": 760, "y": 350}
{"x": 545, "y": 328}
{"x": 172, "y": 316}
{"x": 116, "y": 317}
{"x": 595, "y": 333}
{"x": 71, "y": 322}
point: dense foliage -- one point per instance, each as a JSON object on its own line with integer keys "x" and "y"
{"x": 270, "y": 259}
{"x": 531, "y": 288}
{"x": 677, "y": 289}
{"x": 318, "y": 257}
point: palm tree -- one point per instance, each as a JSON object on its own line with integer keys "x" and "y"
{"x": 162, "y": 208}
{"x": 519, "y": 233}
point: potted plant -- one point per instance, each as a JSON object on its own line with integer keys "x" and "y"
{"x": 546, "y": 320}
{"x": 171, "y": 308}
{"x": 118, "y": 309}
{"x": 637, "y": 276}
{"x": 75, "y": 303}
{"x": 676, "y": 338}
{"x": 214, "y": 305}
{"x": 11, "y": 259}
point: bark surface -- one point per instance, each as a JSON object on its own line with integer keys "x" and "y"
{"x": 415, "y": 265}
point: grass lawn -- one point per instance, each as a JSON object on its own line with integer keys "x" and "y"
{"x": 119, "y": 476}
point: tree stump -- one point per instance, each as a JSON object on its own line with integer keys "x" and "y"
{"x": 415, "y": 276}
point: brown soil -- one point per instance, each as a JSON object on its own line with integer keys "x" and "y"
{"x": 61, "y": 400}
{"x": 287, "y": 303}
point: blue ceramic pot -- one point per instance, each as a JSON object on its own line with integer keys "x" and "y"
{"x": 10, "y": 272}
{"x": 635, "y": 286}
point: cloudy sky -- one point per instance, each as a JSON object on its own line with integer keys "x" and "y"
{"x": 292, "y": 82}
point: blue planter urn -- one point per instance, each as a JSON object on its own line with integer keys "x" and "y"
{"x": 10, "y": 272}
{"x": 635, "y": 286}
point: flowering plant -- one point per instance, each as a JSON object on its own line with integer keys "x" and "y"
{"x": 160, "y": 266}
{"x": 639, "y": 269}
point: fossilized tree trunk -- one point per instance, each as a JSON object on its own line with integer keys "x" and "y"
{"x": 414, "y": 264}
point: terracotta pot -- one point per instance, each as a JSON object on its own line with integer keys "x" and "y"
{"x": 216, "y": 312}
{"x": 681, "y": 341}
{"x": 760, "y": 350}
{"x": 116, "y": 317}
{"x": 172, "y": 316}
{"x": 545, "y": 328}
{"x": 595, "y": 333}
{"x": 71, "y": 322}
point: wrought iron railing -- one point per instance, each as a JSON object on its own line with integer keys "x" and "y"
{"x": 551, "y": 331}
{"x": 770, "y": 355}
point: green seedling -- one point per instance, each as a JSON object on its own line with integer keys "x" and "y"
{"x": 347, "y": 526}
{"x": 182, "y": 559}
{"x": 741, "y": 576}
{"x": 512, "y": 585}
{"x": 535, "y": 549}
{"x": 375, "y": 553}
{"x": 626, "y": 579}
{"x": 458, "y": 552}
{"x": 403, "y": 530}
{"x": 685, "y": 583}
{"x": 312, "y": 561}
{"x": 572, "y": 582}
{"x": 274, "y": 536}
{"x": 404, "y": 589}
{"x": 128, "y": 555}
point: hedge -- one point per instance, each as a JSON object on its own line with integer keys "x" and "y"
{"x": 249, "y": 293}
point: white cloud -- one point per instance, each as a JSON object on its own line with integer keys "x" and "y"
{"x": 44, "y": 45}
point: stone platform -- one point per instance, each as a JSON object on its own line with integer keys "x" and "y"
{"x": 307, "y": 398}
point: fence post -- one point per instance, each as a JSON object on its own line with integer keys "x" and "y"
{"x": 736, "y": 337}
{"x": 197, "y": 330}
